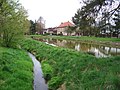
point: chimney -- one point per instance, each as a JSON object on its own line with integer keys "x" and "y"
{"x": 61, "y": 22}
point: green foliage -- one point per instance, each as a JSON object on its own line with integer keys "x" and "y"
{"x": 32, "y": 29}
{"x": 13, "y": 22}
{"x": 15, "y": 70}
{"x": 83, "y": 38}
{"x": 77, "y": 70}
{"x": 47, "y": 69}
{"x": 83, "y": 22}
{"x": 94, "y": 18}
{"x": 54, "y": 83}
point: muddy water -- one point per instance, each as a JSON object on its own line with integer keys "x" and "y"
{"x": 39, "y": 82}
{"x": 97, "y": 50}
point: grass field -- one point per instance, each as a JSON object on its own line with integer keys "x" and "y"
{"x": 16, "y": 70}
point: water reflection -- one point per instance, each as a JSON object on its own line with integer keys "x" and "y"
{"x": 97, "y": 50}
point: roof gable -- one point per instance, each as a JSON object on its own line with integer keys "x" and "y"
{"x": 65, "y": 24}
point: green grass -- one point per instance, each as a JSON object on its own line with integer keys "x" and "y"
{"x": 83, "y": 38}
{"x": 16, "y": 70}
{"x": 75, "y": 70}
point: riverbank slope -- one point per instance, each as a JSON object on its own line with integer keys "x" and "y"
{"x": 114, "y": 42}
{"x": 16, "y": 70}
{"x": 81, "y": 38}
{"x": 72, "y": 70}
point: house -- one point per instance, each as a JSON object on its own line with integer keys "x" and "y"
{"x": 51, "y": 31}
{"x": 63, "y": 27}
{"x": 60, "y": 30}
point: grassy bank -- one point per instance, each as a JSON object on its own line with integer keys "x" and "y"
{"x": 83, "y": 38}
{"x": 65, "y": 68}
{"x": 15, "y": 70}
{"x": 110, "y": 42}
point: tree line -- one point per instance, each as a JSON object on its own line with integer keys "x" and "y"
{"x": 98, "y": 18}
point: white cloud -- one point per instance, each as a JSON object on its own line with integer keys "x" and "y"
{"x": 53, "y": 11}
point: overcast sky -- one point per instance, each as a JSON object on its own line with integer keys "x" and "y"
{"x": 53, "y": 11}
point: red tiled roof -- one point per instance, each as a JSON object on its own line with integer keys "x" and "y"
{"x": 65, "y": 24}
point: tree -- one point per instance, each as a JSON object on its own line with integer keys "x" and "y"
{"x": 117, "y": 22}
{"x": 32, "y": 29}
{"x": 83, "y": 22}
{"x": 92, "y": 11}
{"x": 13, "y": 22}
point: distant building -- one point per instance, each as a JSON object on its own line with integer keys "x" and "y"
{"x": 50, "y": 31}
{"x": 40, "y": 25}
{"x": 60, "y": 30}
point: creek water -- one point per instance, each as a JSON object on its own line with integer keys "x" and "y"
{"x": 39, "y": 82}
{"x": 95, "y": 49}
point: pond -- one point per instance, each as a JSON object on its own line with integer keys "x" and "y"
{"x": 91, "y": 48}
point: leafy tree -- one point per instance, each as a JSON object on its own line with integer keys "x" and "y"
{"x": 13, "y": 22}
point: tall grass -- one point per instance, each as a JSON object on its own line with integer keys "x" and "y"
{"x": 65, "y": 68}
{"x": 15, "y": 70}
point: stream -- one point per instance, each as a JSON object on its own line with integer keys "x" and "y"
{"x": 39, "y": 81}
